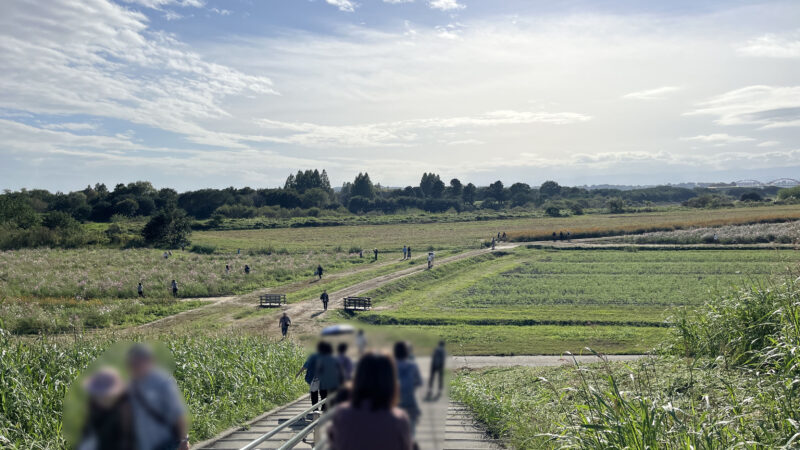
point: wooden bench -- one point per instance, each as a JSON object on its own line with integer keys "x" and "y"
{"x": 357, "y": 303}
{"x": 271, "y": 300}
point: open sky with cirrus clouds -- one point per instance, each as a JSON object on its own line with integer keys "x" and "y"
{"x": 208, "y": 93}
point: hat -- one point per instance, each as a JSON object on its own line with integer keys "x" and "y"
{"x": 104, "y": 384}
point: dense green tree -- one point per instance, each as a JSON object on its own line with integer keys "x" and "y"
{"x": 549, "y": 189}
{"x": 497, "y": 191}
{"x": 431, "y": 185}
{"x": 468, "y": 195}
{"x": 168, "y": 229}
{"x": 362, "y": 186}
{"x": 456, "y": 189}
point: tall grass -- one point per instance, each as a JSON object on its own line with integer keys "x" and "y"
{"x": 730, "y": 379}
{"x": 225, "y": 381}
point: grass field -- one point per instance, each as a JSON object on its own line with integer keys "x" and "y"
{"x": 468, "y": 235}
{"x": 781, "y": 233}
{"x": 108, "y": 273}
{"x": 550, "y": 301}
{"x": 729, "y": 377}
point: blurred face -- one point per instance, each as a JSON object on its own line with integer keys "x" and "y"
{"x": 140, "y": 367}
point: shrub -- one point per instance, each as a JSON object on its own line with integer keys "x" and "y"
{"x": 203, "y": 249}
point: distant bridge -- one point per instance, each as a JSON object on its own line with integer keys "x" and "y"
{"x": 780, "y": 182}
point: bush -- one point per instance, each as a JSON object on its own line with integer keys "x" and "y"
{"x": 552, "y": 211}
{"x": 203, "y": 249}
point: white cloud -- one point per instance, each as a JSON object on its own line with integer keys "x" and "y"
{"x": 343, "y": 5}
{"x": 221, "y": 12}
{"x": 659, "y": 93}
{"x": 767, "y": 106}
{"x": 773, "y": 46}
{"x": 397, "y": 2}
{"x": 718, "y": 139}
{"x": 108, "y": 63}
{"x": 159, "y": 4}
{"x": 406, "y": 132}
{"x": 466, "y": 142}
{"x": 72, "y": 126}
{"x": 769, "y": 144}
{"x": 445, "y": 5}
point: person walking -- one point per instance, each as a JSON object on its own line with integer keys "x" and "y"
{"x": 554, "y": 236}
{"x": 561, "y": 235}
{"x": 437, "y": 368}
{"x": 310, "y": 368}
{"x": 159, "y": 414}
{"x": 140, "y": 290}
{"x": 227, "y": 269}
{"x": 345, "y": 363}
{"x": 569, "y": 236}
{"x": 409, "y": 378}
{"x": 324, "y": 297}
{"x": 329, "y": 372}
{"x": 284, "y": 323}
{"x": 405, "y": 252}
{"x": 370, "y": 420}
{"x": 409, "y": 252}
{"x": 493, "y": 243}
{"x": 246, "y": 269}
{"x": 361, "y": 342}
{"x": 174, "y": 288}
{"x": 319, "y": 271}
{"x": 376, "y": 253}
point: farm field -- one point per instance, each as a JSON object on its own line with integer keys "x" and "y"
{"x": 470, "y": 235}
{"x": 109, "y": 273}
{"x": 529, "y": 301}
{"x": 781, "y": 233}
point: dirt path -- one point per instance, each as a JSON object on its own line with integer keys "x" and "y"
{"x": 308, "y": 317}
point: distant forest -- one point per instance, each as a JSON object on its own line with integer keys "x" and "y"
{"x": 39, "y": 217}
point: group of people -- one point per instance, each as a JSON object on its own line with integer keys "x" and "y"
{"x": 145, "y": 413}
{"x": 376, "y": 407}
{"x": 500, "y": 237}
{"x": 406, "y": 252}
{"x": 561, "y": 236}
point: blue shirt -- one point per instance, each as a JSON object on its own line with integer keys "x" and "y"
{"x": 162, "y": 395}
{"x": 311, "y": 367}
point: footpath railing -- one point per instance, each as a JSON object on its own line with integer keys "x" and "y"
{"x": 320, "y": 441}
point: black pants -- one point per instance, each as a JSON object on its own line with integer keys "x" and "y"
{"x": 141, "y": 294}
{"x": 325, "y": 305}
{"x": 174, "y": 292}
{"x": 436, "y": 372}
{"x": 316, "y": 396}
{"x": 284, "y": 330}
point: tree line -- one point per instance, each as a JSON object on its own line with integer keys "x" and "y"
{"x": 38, "y": 217}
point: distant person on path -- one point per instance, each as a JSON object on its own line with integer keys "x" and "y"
{"x": 504, "y": 236}
{"x": 437, "y": 368}
{"x": 345, "y": 363}
{"x": 370, "y": 420}
{"x": 361, "y": 253}
{"x": 376, "y": 253}
{"x": 238, "y": 251}
{"x": 493, "y": 243}
{"x": 409, "y": 252}
{"x": 405, "y": 252}
{"x": 561, "y": 235}
{"x": 324, "y": 297}
{"x": 361, "y": 342}
{"x": 140, "y": 290}
{"x": 409, "y": 379}
{"x": 284, "y": 323}
{"x": 554, "y": 236}
{"x": 166, "y": 255}
{"x": 569, "y": 236}
{"x": 227, "y": 269}
{"x": 430, "y": 260}
{"x": 319, "y": 271}
{"x": 174, "y": 288}
{"x": 159, "y": 414}
{"x": 246, "y": 269}
{"x": 498, "y": 235}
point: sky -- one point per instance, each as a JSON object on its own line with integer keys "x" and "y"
{"x": 207, "y": 93}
